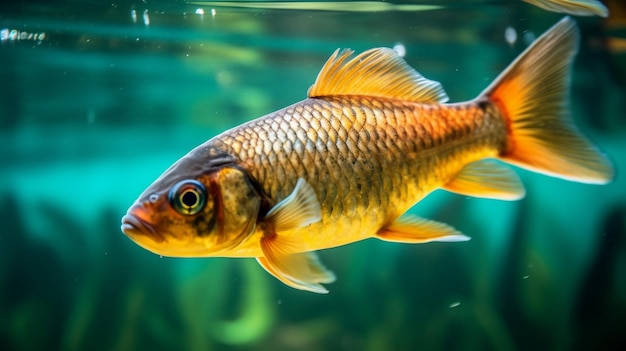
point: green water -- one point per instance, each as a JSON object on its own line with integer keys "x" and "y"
{"x": 98, "y": 98}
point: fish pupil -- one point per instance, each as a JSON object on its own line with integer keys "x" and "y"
{"x": 187, "y": 197}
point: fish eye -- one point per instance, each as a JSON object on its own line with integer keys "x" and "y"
{"x": 187, "y": 197}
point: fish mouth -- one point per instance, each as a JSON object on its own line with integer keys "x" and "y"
{"x": 134, "y": 226}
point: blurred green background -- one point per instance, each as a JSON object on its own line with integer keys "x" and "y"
{"x": 97, "y": 98}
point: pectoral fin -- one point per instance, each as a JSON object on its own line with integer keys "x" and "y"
{"x": 487, "y": 179}
{"x": 299, "y": 209}
{"x": 416, "y": 230}
{"x": 284, "y": 257}
{"x": 301, "y": 270}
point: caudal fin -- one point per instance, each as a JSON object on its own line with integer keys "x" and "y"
{"x": 533, "y": 95}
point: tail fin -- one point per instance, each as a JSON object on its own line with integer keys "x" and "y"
{"x": 532, "y": 94}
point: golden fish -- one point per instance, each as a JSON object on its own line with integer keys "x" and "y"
{"x": 573, "y": 7}
{"x": 373, "y": 138}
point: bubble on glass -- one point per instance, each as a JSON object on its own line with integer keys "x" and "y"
{"x": 146, "y": 18}
{"x": 400, "y": 49}
{"x": 510, "y": 35}
{"x": 133, "y": 15}
{"x": 529, "y": 37}
{"x": 200, "y": 12}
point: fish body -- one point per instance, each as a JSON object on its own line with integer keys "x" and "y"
{"x": 373, "y": 138}
{"x": 365, "y": 173}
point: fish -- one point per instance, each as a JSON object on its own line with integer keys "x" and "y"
{"x": 372, "y": 139}
{"x": 572, "y": 7}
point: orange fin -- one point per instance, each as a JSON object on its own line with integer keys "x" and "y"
{"x": 299, "y": 209}
{"x": 283, "y": 257}
{"x": 532, "y": 94}
{"x": 573, "y": 7}
{"x": 416, "y": 230}
{"x": 301, "y": 270}
{"x": 487, "y": 179}
{"x": 377, "y": 72}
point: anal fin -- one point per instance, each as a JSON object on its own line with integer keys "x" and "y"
{"x": 416, "y": 230}
{"x": 487, "y": 179}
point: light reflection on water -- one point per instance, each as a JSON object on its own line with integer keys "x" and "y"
{"x": 7, "y": 34}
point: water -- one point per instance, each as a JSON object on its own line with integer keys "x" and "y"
{"x": 97, "y": 98}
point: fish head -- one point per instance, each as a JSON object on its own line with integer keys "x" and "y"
{"x": 203, "y": 215}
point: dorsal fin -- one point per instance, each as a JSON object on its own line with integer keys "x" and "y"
{"x": 377, "y": 72}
